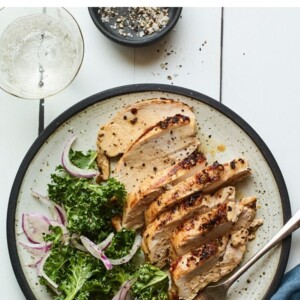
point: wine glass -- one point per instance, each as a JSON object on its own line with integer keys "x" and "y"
{"x": 41, "y": 51}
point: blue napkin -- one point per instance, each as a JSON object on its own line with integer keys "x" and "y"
{"x": 289, "y": 288}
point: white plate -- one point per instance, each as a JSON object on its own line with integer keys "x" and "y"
{"x": 224, "y": 136}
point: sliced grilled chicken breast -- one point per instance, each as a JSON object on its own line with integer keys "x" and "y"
{"x": 187, "y": 269}
{"x": 131, "y": 122}
{"x": 156, "y": 239}
{"x": 152, "y": 188}
{"x": 202, "y": 228}
{"x": 235, "y": 249}
{"x": 165, "y": 144}
{"x": 191, "y": 165}
{"x": 208, "y": 180}
{"x": 197, "y": 278}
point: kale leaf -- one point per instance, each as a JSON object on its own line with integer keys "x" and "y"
{"x": 81, "y": 268}
{"x": 151, "y": 283}
{"x": 84, "y": 161}
{"x": 55, "y": 237}
{"x": 89, "y": 206}
{"x": 82, "y": 277}
{"x": 108, "y": 285}
{"x": 56, "y": 264}
{"x": 121, "y": 244}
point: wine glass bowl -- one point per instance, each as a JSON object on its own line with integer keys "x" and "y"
{"x": 41, "y": 51}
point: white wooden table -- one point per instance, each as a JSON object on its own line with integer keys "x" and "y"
{"x": 249, "y": 59}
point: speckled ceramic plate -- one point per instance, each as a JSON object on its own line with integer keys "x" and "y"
{"x": 224, "y": 136}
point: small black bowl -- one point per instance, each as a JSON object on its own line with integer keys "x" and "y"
{"x": 134, "y": 40}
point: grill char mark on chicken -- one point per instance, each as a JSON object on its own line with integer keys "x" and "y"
{"x": 164, "y": 148}
{"x": 156, "y": 238}
{"x": 209, "y": 180}
{"x": 204, "y": 227}
{"x": 189, "y": 280}
{"x": 132, "y": 121}
{"x": 186, "y": 269}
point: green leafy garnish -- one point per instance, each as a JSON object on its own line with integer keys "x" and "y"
{"x": 56, "y": 264}
{"x": 55, "y": 236}
{"x": 81, "y": 276}
{"x": 121, "y": 244}
{"x": 109, "y": 284}
{"x": 89, "y": 206}
{"x": 80, "y": 269}
{"x": 83, "y": 161}
{"x": 151, "y": 283}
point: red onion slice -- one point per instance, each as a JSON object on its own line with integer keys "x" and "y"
{"x": 124, "y": 289}
{"x": 76, "y": 245}
{"x": 37, "y": 249}
{"x": 136, "y": 245}
{"x": 72, "y": 169}
{"x": 42, "y": 273}
{"x": 35, "y": 226}
{"x": 96, "y": 251}
{"x": 34, "y": 263}
{"x": 105, "y": 243}
{"x": 58, "y": 212}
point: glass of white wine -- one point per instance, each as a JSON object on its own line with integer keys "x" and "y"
{"x": 41, "y": 51}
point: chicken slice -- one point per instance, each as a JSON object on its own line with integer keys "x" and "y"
{"x": 191, "y": 165}
{"x": 203, "y": 228}
{"x": 128, "y": 124}
{"x": 103, "y": 165}
{"x": 156, "y": 239}
{"x": 165, "y": 144}
{"x": 150, "y": 189}
{"x": 187, "y": 269}
{"x": 208, "y": 180}
{"x": 228, "y": 261}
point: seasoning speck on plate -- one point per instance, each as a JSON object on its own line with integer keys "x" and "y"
{"x": 135, "y": 21}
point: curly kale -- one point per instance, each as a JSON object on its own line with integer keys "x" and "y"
{"x": 121, "y": 244}
{"x": 89, "y": 206}
{"x": 71, "y": 269}
{"x": 151, "y": 283}
{"x": 81, "y": 276}
{"x": 84, "y": 161}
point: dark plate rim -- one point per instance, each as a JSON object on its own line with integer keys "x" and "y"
{"x": 128, "y": 89}
{"x": 145, "y": 41}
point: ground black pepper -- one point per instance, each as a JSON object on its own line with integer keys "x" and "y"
{"x": 135, "y": 21}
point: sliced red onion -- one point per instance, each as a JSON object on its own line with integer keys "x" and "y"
{"x": 35, "y": 227}
{"x": 42, "y": 273}
{"x": 58, "y": 212}
{"x": 76, "y": 245}
{"x": 35, "y": 263}
{"x": 37, "y": 249}
{"x": 62, "y": 214}
{"x": 124, "y": 289}
{"x": 105, "y": 243}
{"x": 170, "y": 279}
{"x": 136, "y": 245}
{"x": 72, "y": 169}
{"x": 96, "y": 251}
